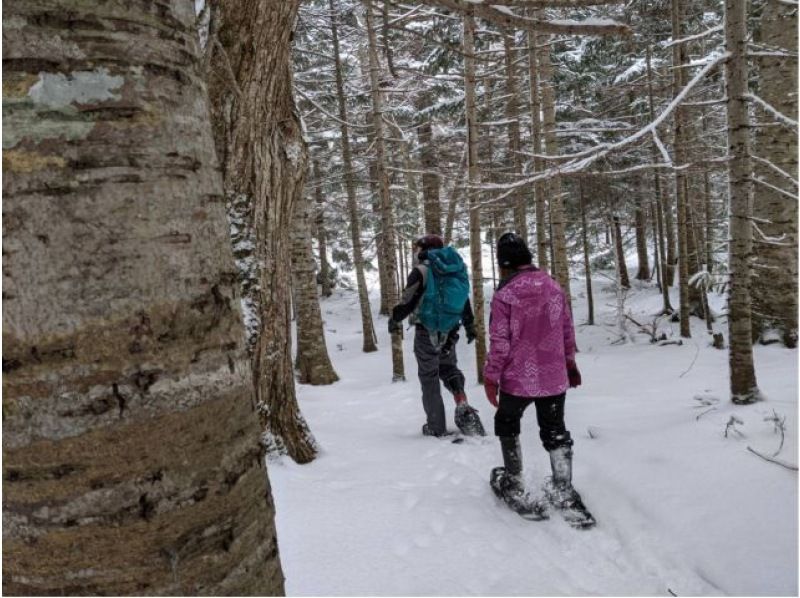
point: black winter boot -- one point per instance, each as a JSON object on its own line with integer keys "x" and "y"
{"x": 560, "y": 492}
{"x": 508, "y": 485}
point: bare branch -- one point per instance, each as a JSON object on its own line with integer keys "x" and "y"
{"x": 773, "y": 460}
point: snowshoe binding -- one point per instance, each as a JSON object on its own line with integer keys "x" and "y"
{"x": 568, "y": 501}
{"x": 468, "y": 420}
{"x": 510, "y": 490}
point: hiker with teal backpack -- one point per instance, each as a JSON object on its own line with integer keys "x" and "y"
{"x": 436, "y": 298}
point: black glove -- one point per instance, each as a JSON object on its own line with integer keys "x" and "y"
{"x": 394, "y": 326}
{"x": 471, "y": 334}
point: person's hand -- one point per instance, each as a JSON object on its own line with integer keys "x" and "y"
{"x": 490, "y": 388}
{"x": 469, "y": 329}
{"x": 573, "y": 374}
{"x": 394, "y": 326}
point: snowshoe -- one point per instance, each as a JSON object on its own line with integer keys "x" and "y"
{"x": 468, "y": 420}
{"x": 511, "y": 491}
{"x": 569, "y": 502}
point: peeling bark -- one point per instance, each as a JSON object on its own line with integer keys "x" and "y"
{"x": 131, "y": 456}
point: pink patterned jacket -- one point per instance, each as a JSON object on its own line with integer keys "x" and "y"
{"x": 531, "y": 336}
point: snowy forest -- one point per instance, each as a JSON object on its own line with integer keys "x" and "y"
{"x": 222, "y": 220}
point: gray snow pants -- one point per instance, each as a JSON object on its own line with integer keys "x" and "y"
{"x": 433, "y": 365}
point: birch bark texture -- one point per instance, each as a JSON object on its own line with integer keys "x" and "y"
{"x": 259, "y": 142}
{"x": 131, "y": 454}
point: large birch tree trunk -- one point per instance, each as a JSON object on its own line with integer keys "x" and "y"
{"x": 131, "y": 455}
{"x": 744, "y": 388}
{"x": 263, "y": 155}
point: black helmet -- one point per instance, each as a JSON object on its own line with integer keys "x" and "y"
{"x": 429, "y": 241}
{"x": 512, "y": 251}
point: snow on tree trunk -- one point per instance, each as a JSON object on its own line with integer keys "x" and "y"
{"x": 744, "y": 388}
{"x": 775, "y": 268}
{"x": 473, "y": 178}
{"x": 264, "y": 158}
{"x": 367, "y": 327}
{"x": 312, "y": 362}
{"x": 387, "y": 217}
{"x": 131, "y": 455}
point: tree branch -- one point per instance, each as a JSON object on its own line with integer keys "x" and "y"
{"x": 505, "y": 18}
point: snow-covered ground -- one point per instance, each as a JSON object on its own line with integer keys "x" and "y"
{"x": 681, "y": 508}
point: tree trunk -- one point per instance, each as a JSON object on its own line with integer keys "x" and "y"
{"x": 367, "y": 327}
{"x": 586, "y": 262}
{"x": 387, "y": 218}
{"x": 514, "y": 144}
{"x": 678, "y": 60}
{"x": 536, "y": 137}
{"x": 131, "y": 455}
{"x": 473, "y": 178}
{"x": 451, "y": 204}
{"x": 558, "y": 233}
{"x": 744, "y": 388}
{"x": 775, "y": 275}
{"x": 619, "y": 253}
{"x": 259, "y": 141}
{"x": 312, "y": 362}
{"x": 429, "y": 161}
{"x": 643, "y": 270}
{"x": 326, "y": 283}
{"x": 662, "y": 202}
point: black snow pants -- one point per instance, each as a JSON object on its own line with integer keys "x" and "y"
{"x": 549, "y": 414}
{"x": 434, "y": 364}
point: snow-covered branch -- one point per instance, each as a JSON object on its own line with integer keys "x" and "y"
{"x": 779, "y": 116}
{"x": 583, "y": 160}
{"x": 504, "y": 17}
{"x": 775, "y": 168}
{"x": 690, "y": 38}
{"x": 763, "y": 183}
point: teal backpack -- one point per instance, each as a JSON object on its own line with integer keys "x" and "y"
{"x": 446, "y": 291}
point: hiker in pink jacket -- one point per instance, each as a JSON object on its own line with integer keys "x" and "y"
{"x": 531, "y": 361}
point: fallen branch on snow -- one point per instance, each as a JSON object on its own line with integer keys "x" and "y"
{"x": 772, "y": 459}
